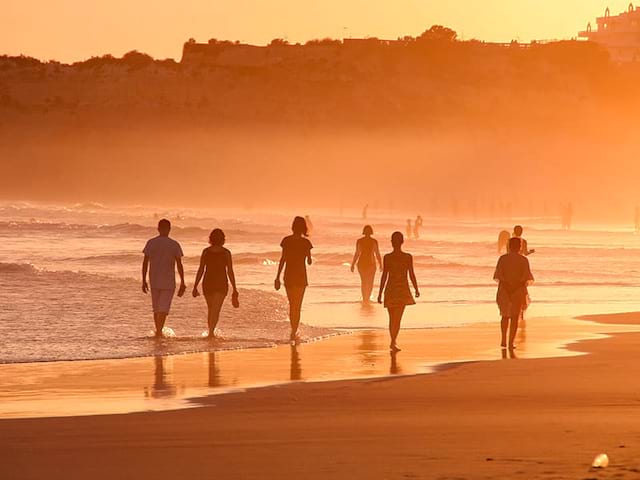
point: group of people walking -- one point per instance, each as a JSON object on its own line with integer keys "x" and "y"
{"x": 163, "y": 256}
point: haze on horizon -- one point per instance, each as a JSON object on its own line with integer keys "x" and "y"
{"x": 72, "y": 30}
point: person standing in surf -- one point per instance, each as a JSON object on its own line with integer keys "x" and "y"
{"x": 524, "y": 245}
{"x": 161, "y": 257}
{"x": 296, "y": 255}
{"x": 513, "y": 274}
{"x": 216, "y": 266}
{"x": 397, "y": 266}
{"x": 366, "y": 255}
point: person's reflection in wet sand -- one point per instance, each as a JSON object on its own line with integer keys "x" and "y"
{"x": 162, "y": 387}
{"x": 214, "y": 371}
{"x": 295, "y": 374}
{"x": 368, "y": 348}
{"x": 509, "y": 354}
{"x": 368, "y": 309}
{"x": 394, "y": 368}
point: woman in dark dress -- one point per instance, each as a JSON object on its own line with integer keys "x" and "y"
{"x": 397, "y": 266}
{"x": 217, "y": 267}
{"x": 296, "y": 253}
{"x": 366, "y": 256}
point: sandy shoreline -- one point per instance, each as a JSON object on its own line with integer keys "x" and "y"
{"x": 72, "y": 388}
{"x": 526, "y": 418}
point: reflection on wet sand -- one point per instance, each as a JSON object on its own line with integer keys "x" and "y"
{"x": 214, "y": 371}
{"x": 295, "y": 370}
{"x": 509, "y": 354}
{"x": 395, "y": 368}
{"x": 369, "y": 349}
{"x": 162, "y": 386}
{"x": 369, "y": 309}
{"x": 114, "y": 386}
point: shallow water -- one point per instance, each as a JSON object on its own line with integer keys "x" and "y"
{"x": 184, "y": 381}
{"x": 70, "y": 277}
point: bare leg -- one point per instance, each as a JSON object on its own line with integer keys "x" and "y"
{"x": 214, "y": 304}
{"x": 366, "y": 284}
{"x": 295, "y": 296}
{"x": 395, "y": 317}
{"x": 363, "y": 287}
{"x": 371, "y": 276}
{"x": 159, "y": 319}
{"x": 513, "y": 330}
{"x": 504, "y": 327}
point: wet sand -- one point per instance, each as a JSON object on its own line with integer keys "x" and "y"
{"x": 519, "y": 418}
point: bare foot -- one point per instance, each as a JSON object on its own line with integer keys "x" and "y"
{"x": 394, "y": 348}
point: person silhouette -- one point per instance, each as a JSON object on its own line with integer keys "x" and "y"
{"x": 365, "y": 257}
{"x": 296, "y": 251}
{"x": 417, "y": 225}
{"x": 216, "y": 265}
{"x": 503, "y": 241}
{"x": 524, "y": 246}
{"x": 396, "y": 266}
{"x": 161, "y": 257}
{"x": 365, "y": 211}
{"x": 513, "y": 275}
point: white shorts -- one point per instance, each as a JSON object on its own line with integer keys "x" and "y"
{"x": 161, "y": 299}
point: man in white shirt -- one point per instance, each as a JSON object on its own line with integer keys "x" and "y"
{"x": 162, "y": 254}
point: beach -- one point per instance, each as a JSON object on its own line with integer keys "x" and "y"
{"x": 513, "y": 418}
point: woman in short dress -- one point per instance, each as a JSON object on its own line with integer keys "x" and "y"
{"x": 296, "y": 254}
{"x": 513, "y": 274}
{"x": 397, "y": 266}
{"x": 217, "y": 268}
{"x": 366, "y": 256}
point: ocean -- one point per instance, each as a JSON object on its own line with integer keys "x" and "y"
{"x": 71, "y": 276}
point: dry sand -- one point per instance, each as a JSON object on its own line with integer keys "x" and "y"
{"x": 519, "y": 418}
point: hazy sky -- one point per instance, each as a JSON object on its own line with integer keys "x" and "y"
{"x": 70, "y": 30}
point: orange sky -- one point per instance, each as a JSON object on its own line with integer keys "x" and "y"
{"x": 70, "y": 30}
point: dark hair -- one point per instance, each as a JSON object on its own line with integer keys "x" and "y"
{"x": 216, "y": 237}
{"x": 397, "y": 239}
{"x": 516, "y": 229}
{"x": 367, "y": 230}
{"x": 299, "y": 226}
{"x": 515, "y": 244}
{"x": 164, "y": 224}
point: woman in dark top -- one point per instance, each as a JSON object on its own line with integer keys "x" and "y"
{"x": 396, "y": 266}
{"x": 296, "y": 251}
{"x": 366, "y": 256}
{"x": 217, "y": 268}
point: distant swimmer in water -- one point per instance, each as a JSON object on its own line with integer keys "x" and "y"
{"x": 409, "y": 229}
{"x": 503, "y": 241}
{"x": 397, "y": 265}
{"x": 417, "y": 225}
{"x": 513, "y": 275}
{"x": 309, "y": 225}
{"x": 524, "y": 246}
{"x": 366, "y": 256}
{"x": 161, "y": 257}
{"x": 296, "y": 251}
{"x": 216, "y": 266}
